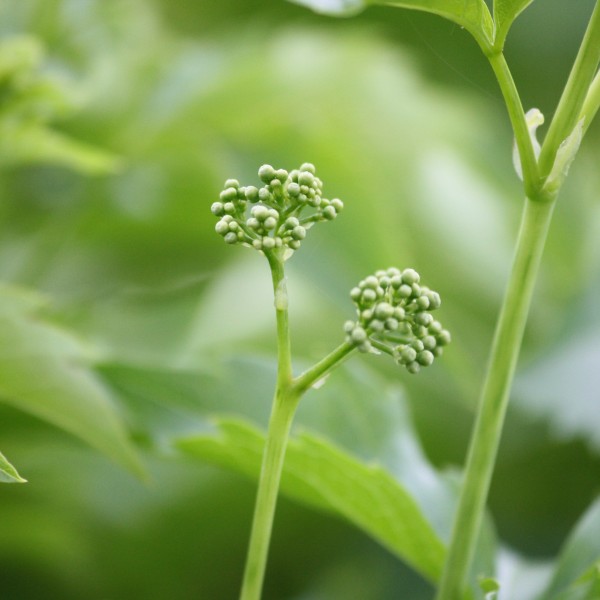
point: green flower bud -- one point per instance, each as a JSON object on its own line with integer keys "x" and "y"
{"x": 358, "y": 335}
{"x": 268, "y": 243}
{"x": 260, "y": 212}
{"x": 337, "y": 204}
{"x": 266, "y": 173}
{"x": 408, "y": 354}
{"x": 294, "y": 244}
{"x": 229, "y": 208}
{"x": 232, "y": 183}
{"x": 270, "y": 223}
{"x": 329, "y": 213}
{"x": 281, "y": 175}
{"x": 349, "y": 326}
{"x": 264, "y": 195}
{"x": 299, "y": 233}
{"x": 376, "y": 325}
{"x": 369, "y": 295}
{"x": 231, "y": 238}
{"x": 410, "y": 276}
{"x": 423, "y": 318}
{"x": 384, "y": 310}
{"x": 293, "y": 190}
{"x": 251, "y": 193}
{"x": 253, "y": 223}
{"x": 355, "y": 293}
{"x": 308, "y": 167}
{"x": 217, "y": 209}
{"x": 222, "y": 227}
{"x": 413, "y": 368}
{"x": 405, "y": 291}
{"x": 425, "y": 358}
{"x": 391, "y": 324}
{"x": 291, "y": 222}
{"x": 306, "y": 178}
{"x": 228, "y": 194}
{"x": 429, "y": 342}
{"x": 444, "y": 337}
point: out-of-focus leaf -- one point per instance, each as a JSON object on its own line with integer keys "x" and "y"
{"x": 505, "y": 12}
{"x": 34, "y": 144}
{"x": 520, "y": 578}
{"x": 43, "y": 371}
{"x": 577, "y": 573}
{"x": 29, "y": 100}
{"x": 320, "y": 474}
{"x": 8, "y": 474}
{"x": 473, "y": 15}
{"x": 563, "y": 389}
{"x": 355, "y": 419}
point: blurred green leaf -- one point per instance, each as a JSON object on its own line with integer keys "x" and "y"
{"x": 44, "y": 372}
{"x": 577, "y": 572}
{"x": 505, "y": 12}
{"x": 473, "y": 15}
{"x": 321, "y": 475}
{"x": 8, "y": 474}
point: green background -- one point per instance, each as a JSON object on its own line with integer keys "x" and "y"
{"x": 400, "y": 113}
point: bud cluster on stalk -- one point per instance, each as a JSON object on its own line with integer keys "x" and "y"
{"x": 394, "y": 316}
{"x": 276, "y": 215}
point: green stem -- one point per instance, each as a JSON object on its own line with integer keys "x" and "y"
{"x": 305, "y": 381}
{"x": 284, "y": 407}
{"x": 516, "y": 114}
{"x": 591, "y": 103}
{"x": 574, "y": 94}
{"x": 494, "y": 398}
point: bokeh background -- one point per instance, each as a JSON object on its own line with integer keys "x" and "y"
{"x": 112, "y": 235}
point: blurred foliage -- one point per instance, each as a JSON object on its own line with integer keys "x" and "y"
{"x": 119, "y": 298}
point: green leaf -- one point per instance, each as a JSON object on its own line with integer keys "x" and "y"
{"x": 319, "y": 474}
{"x": 505, "y": 12}
{"x": 8, "y": 474}
{"x": 577, "y": 573}
{"x": 473, "y": 15}
{"x": 43, "y": 371}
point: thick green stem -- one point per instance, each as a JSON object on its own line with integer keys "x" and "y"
{"x": 494, "y": 398}
{"x": 284, "y": 407}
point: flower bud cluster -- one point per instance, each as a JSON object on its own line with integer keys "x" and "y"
{"x": 276, "y": 215}
{"x": 394, "y": 316}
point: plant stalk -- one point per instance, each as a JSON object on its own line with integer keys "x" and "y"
{"x": 282, "y": 413}
{"x": 494, "y": 398}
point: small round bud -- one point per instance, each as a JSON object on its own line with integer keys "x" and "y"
{"x": 232, "y": 183}
{"x": 369, "y": 295}
{"x": 391, "y": 324}
{"x": 231, "y": 238}
{"x": 228, "y": 194}
{"x": 434, "y": 300}
{"x": 408, "y": 354}
{"x": 266, "y": 173}
{"x": 253, "y": 223}
{"x": 435, "y": 327}
{"x": 404, "y": 291}
{"x": 251, "y": 193}
{"x": 299, "y": 233}
{"x": 337, "y": 204}
{"x": 222, "y": 227}
{"x": 423, "y": 302}
{"x": 291, "y": 222}
{"x": 399, "y": 313}
{"x": 229, "y": 208}
{"x": 423, "y": 318}
{"x": 294, "y": 244}
{"x": 216, "y": 208}
{"x": 413, "y": 368}
{"x": 308, "y": 167}
{"x": 410, "y": 276}
{"x": 444, "y": 337}
{"x": 396, "y": 281}
{"x": 293, "y": 190}
{"x": 371, "y": 282}
{"x": 281, "y": 175}
{"x": 257, "y": 244}
{"x": 384, "y": 310}
{"x": 376, "y": 325}
{"x": 355, "y": 293}
{"x": 260, "y": 212}
{"x": 349, "y": 326}
{"x": 265, "y": 195}
{"x": 268, "y": 243}
{"x": 425, "y": 358}
{"x": 418, "y": 345}
{"x": 358, "y": 335}
{"x": 329, "y": 213}
{"x": 429, "y": 342}
{"x": 306, "y": 178}
{"x": 365, "y": 347}
{"x": 270, "y": 223}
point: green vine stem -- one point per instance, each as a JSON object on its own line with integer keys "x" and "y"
{"x": 591, "y": 103}
{"x": 494, "y": 398}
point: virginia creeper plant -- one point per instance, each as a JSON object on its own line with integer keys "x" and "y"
{"x": 542, "y": 168}
{"x": 393, "y": 316}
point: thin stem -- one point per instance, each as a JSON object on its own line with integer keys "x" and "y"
{"x": 574, "y": 94}
{"x": 494, "y": 398}
{"x": 591, "y": 103}
{"x": 516, "y": 114}
{"x": 284, "y": 407}
{"x": 303, "y": 382}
